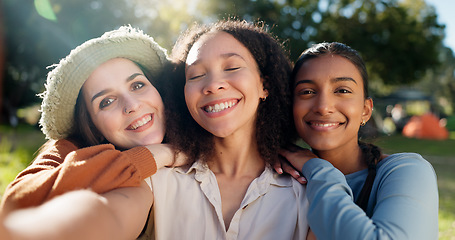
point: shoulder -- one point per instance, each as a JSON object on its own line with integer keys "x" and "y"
{"x": 404, "y": 160}
{"x": 57, "y": 147}
{"x": 406, "y": 166}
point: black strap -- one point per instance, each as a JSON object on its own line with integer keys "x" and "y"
{"x": 364, "y": 196}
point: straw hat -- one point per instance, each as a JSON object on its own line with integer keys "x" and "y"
{"x": 66, "y": 79}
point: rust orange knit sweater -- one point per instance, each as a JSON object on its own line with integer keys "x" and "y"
{"x": 64, "y": 167}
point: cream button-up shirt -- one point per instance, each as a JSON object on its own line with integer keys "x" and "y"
{"x": 187, "y": 205}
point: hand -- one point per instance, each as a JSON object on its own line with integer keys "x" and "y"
{"x": 283, "y": 166}
{"x": 180, "y": 159}
{"x": 166, "y": 156}
{"x": 294, "y": 158}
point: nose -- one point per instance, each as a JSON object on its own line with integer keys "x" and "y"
{"x": 130, "y": 104}
{"x": 324, "y": 105}
{"x": 214, "y": 84}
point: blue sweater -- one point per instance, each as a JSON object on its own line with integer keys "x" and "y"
{"x": 403, "y": 203}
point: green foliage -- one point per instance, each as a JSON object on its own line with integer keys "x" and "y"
{"x": 17, "y": 149}
{"x": 400, "y": 40}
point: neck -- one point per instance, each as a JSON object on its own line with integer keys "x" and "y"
{"x": 347, "y": 161}
{"x": 236, "y": 158}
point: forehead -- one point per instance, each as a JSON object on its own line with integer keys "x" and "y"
{"x": 216, "y": 44}
{"x": 111, "y": 73}
{"x": 328, "y": 67}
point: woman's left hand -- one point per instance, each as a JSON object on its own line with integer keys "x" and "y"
{"x": 294, "y": 157}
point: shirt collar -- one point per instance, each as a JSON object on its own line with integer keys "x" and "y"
{"x": 268, "y": 176}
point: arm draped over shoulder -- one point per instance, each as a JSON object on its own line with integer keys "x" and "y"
{"x": 403, "y": 203}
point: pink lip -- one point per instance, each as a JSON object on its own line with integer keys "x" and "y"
{"x": 142, "y": 123}
{"x": 324, "y": 125}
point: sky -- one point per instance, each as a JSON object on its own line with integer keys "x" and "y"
{"x": 445, "y": 10}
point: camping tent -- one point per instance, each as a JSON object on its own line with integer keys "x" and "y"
{"x": 426, "y": 126}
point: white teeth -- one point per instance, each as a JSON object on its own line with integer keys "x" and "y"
{"x": 220, "y": 107}
{"x": 141, "y": 122}
{"x": 324, "y": 124}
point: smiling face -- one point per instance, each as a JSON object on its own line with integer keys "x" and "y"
{"x": 329, "y": 103}
{"x": 223, "y": 85}
{"x": 124, "y": 106}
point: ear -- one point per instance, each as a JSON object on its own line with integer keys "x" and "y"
{"x": 265, "y": 93}
{"x": 367, "y": 109}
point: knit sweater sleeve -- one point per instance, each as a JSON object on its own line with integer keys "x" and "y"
{"x": 64, "y": 167}
{"x": 403, "y": 203}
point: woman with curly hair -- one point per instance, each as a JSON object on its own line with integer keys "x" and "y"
{"x": 232, "y": 115}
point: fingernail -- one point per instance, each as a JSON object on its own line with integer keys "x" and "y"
{"x": 279, "y": 170}
{"x": 302, "y": 180}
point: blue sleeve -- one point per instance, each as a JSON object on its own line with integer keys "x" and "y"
{"x": 404, "y": 202}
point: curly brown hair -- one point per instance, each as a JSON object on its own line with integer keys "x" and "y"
{"x": 273, "y": 126}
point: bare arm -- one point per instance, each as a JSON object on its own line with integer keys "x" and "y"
{"x": 83, "y": 214}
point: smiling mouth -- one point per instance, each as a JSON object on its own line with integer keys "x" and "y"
{"x": 220, "y": 106}
{"x": 141, "y": 122}
{"x": 325, "y": 124}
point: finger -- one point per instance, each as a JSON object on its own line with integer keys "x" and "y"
{"x": 277, "y": 167}
{"x": 288, "y": 168}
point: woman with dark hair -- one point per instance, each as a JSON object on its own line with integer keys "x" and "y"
{"x": 354, "y": 191}
{"x": 232, "y": 106}
{"x": 104, "y": 118}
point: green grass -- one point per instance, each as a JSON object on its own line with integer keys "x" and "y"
{"x": 398, "y": 143}
{"x": 17, "y": 148}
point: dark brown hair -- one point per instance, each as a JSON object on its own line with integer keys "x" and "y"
{"x": 273, "y": 115}
{"x": 371, "y": 153}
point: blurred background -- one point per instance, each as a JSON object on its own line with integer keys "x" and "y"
{"x": 407, "y": 45}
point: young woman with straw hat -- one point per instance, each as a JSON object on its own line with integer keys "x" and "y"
{"x": 104, "y": 117}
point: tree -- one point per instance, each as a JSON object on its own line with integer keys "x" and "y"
{"x": 399, "y": 40}
{"x": 399, "y": 43}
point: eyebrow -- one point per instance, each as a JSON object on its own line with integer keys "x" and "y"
{"x": 224, "y": 55}
{"x": 334, "y": 80}
{"x": 103, "y": 92}
{"x": 341, "y": 79}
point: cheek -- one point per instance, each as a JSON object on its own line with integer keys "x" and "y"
{"x": 300, "y": 108}
{"x": 106, "y": 123}
{"x": 154, "y": 99}
{"x": 190, "y": 96}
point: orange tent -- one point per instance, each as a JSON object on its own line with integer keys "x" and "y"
{"x": 425, "y": 127}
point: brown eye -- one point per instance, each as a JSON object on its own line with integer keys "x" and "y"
{"x": 306, "y": 92}
{"x": 137, "y": 85}
{"x": 343, "y": 90}
{"x": 106, "y": 102}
